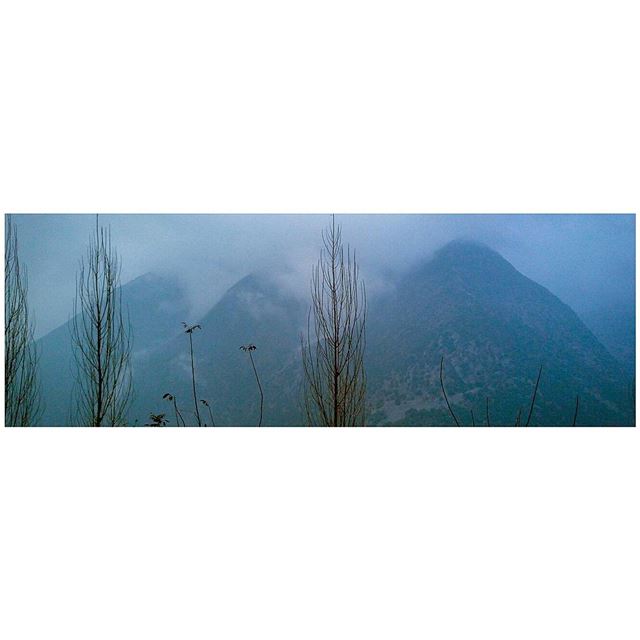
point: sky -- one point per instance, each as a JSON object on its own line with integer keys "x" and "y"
{"x": 588, "y": 261}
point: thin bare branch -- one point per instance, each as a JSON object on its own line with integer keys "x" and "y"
{"x": 533, "y": 398}
{"x": 444, "y": 393}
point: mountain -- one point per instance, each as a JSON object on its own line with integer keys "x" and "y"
{"x": 494, "y": 327}
{"x": 253, "y": 311}
{"x": 155, "y": 304}
{"x": 616, "y": 331}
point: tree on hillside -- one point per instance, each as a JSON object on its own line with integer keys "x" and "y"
{"x": 21, "y": 388}
{"x": 101, "y": 337}
{"x": 333, "y": 353}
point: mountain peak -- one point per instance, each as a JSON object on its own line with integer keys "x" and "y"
{"x": 150, "y": 281}
{"x": 250, "y": 281}
{"x": 494, "y": 327}
{"x": 469, "y": 263}
{"x": 465, "y": 249}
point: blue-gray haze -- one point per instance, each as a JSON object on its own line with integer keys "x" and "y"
{"x": 586, "y": 260}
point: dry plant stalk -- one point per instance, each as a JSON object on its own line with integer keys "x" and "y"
{"x": 172, "y": 398}
{"x": 101, "y": 337}
{"x": 249, "y": 348}
{"x": 206, "y": 404}
{"x": 189, "y": 329}
{"x": 575, "y": 413}
{"x": 444, "y": 393}
{"x": 21, "y": 387}
{"x": 533, "y": 398}
{"x": 333, "y": 354}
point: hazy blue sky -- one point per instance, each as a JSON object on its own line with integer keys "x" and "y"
{"x": 584, "y": 259}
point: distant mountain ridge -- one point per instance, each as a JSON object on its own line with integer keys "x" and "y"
{"x": 492, "y": 325}
{"x": 253, "y": 311}
{"x": 155, "y": 305}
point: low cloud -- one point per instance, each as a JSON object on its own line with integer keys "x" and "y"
{"x": 585, "y": 260}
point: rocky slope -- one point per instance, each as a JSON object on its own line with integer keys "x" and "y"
{"x": 493, "y": 326}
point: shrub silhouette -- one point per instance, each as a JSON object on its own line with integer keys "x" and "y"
{"x": 157, "y": 420}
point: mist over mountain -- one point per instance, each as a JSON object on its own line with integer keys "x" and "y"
{"x": 588, "y": 261}
{"x": 616, "y": 330}
{"x": 253, "y": 311}
{"x": 155, "y": 306}
{"x": 493, "y": 326}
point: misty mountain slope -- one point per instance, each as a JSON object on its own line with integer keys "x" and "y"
{"x": 617, "y": 332}
{"x": 253, "y": 311}
{"x": 155, "y": 305}
{"x": 494, "y": 327}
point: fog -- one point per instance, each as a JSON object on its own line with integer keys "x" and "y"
{"x": 586, "y": 260}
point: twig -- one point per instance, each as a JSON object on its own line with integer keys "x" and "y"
{"x": 517, "y": 424}
{"x": 445, "y": 393}
{"x": 206, "y": 404}
{"x": 172, "y": 398}
{"x": 533, "y": 399}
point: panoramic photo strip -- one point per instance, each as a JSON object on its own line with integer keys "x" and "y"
{"x": 261, "y": 320}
